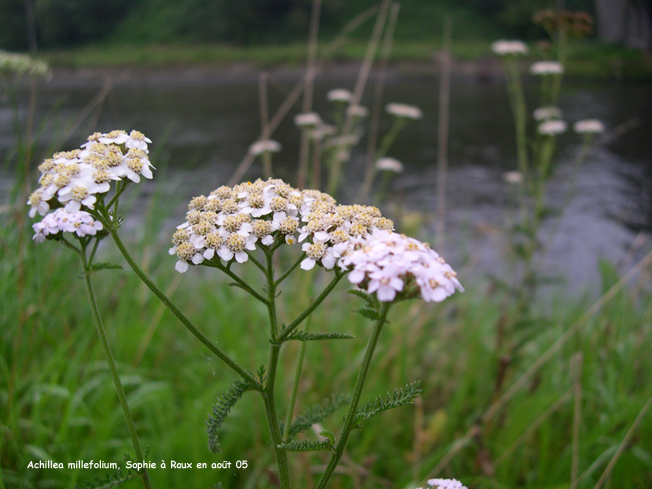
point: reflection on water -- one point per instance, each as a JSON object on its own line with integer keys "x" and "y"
{"x": 208, "y": 123}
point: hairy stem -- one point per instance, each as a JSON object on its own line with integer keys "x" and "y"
{"x": 295, "y": 386}
{"x": 355, "y": 399}
{"x": 272, "y": 417}
{"x": 313, "y": 305}
{"x": 174, "y": 309}
{"x": 112, "y": 368}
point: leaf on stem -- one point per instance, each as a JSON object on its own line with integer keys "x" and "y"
{"x": 400, "y": 397}
{"x": 306, "y": 336}
{"x": 369, "y": 312}
{"x": 220, "y": 411}
{"x": 113, "y": 479}
{"x": 105, "y": 266}
{"x": 317, "y": 412}
{"x": 306, "y": 446}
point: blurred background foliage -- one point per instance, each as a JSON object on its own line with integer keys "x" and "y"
{"x": 73, "y": 23}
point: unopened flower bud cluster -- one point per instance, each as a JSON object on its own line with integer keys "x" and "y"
{"x": 389, "y": 264}
{"x": 234, "y": 220}
{"x": 74, "y": 179}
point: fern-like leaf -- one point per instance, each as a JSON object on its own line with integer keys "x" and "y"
{"x": 112, "y": 480}
{"x": 363, "y": 295}
{"x": 306, "y": 446}
{"x": 220, "y": 411}
{"x": 369, "y": 313}
{"x": 317, "y": 412}
{"x": 400, "y": 397}
{"x": 306, "y": 336}
{"x": 105, "y": 265}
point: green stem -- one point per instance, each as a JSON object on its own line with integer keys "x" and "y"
{"x": 272, "y": 418}
{"x": 355, "y": 400}
{"x": 271, "y": 295}
{"x": 215, "y": 263}
{"x": 112, "y": 368}
{"x": 313, "y": 305}
{"x": 519, "y": 109}
{"x": 268, "y": 393}
{"x": 164, "y": 299}
{"x": 295, "y": 386}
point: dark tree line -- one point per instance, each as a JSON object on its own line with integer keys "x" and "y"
{"x": 66, "y": 23}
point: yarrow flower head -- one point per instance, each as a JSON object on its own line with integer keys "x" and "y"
{"x": 308, "y": 119}
{"x": 393, "y": 266}
{"x": 546, "y": 113}
{"x": 505, "y": 48}
{"x": 233, "y": 221}
{"x": 404, "y": 111}
{"x": 552, "y": 127}
{"x": 445, "y": 484}
{"x": 265, "y": 146}
{"x": 75, "y": 179}
{"x": 357, "y": 111}
{"x": 20, "y": 64}
{"x": 589, "y": 126}
{"x": 389, "y": 164}
{"x": 513, "y": 177}
{"x": 546, "y": 68}
{"x": 61, "y": 221}
{"x": 339, "y": 95}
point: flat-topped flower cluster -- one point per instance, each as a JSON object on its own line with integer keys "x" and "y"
{"x": 233, "y": 220}
{"x": 74, "y": 178}
{"x": 61, "y": 221}
{"x": 388, "y": 263}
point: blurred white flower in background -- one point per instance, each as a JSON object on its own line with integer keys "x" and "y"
{"x": 404, "y": 111}
{"x": 552, "y": 128}
{"x": 264, "y": 146}
{"x": 389, "y": 164}
{"x": 545, "y": 113}
{"x": 504, "y": 47}
{"x": 589, "y": 126}
{"x": 546, "y": 68}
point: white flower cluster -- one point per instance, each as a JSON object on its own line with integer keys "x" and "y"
{"x": 445, "y": 484}
{"x": 74, "y": 178}
{"x": 504, "y": 48}
{"x": 589, "y": 126}
{"x": 265, "y": 146}
{"x": 339, "y": 95}
{"x": 307, "y": 119}
{"x": 552, "y": 127}
{"x": 404, "y": 111}
{"x": 22, "y": 63}
{"x": 388, "y": 263}
{"x": 546, "y": 68}
{"x": 546, "y": 113}
{"x": 234, "y": 220}
{"x": 79, "y": 222}
{"x": 389, "y": 164}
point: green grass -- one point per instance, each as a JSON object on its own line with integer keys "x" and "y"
{"x": 587, "y": 59}
{"x": 58, "y": 401}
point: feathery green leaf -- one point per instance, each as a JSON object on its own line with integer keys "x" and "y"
{"x": 220, "y": 411}
{"x": 105, "y": 265}
{"x": 306, "y": 446}
{"x": 400, "y": 397}
{"x": 317, "y": 412}
{"x": 306, "y": 336}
